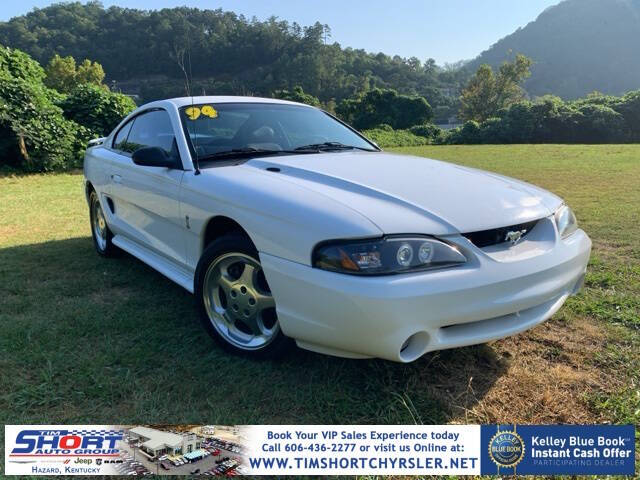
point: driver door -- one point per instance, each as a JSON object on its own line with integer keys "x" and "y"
{"x": 146, "y": 199}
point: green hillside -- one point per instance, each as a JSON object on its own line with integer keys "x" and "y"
{"x": 230, "y": 54}
{"x": 578, "y": 46}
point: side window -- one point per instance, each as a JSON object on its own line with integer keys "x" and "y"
{"x": 121, "y": 136}
{"x": 152, "y": 129}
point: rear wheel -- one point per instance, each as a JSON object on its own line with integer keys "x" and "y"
{"x": 99, "y": 229}
{"x": 235, "y": 301}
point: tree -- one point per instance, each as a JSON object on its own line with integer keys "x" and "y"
{"x": 147, "y": 49}
{"x": 297, "y": 95}
{"x": 629, "y": 107}
{"x": 378, "y": 107}
{"x": 61, "y": 73}
{"x": 63, "y": 76}
{"x": 487, "y": 92}
{"x": 598, "y": 124}
{"x": 89, "y": 72}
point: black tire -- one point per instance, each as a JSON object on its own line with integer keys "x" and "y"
{"x": 101, "y": 241}
{"x": 228, "y": 247}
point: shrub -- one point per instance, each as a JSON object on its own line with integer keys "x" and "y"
{"x": 595, "y": 119}
{"x": 468, "y": 133}
{"x": 599, "y": 124}
{"x": 385, "y": 106}
{"x": 430, "y": 131}
{"x": 36, "y": 136}
{"x": 629, "y": 107}
{"x": 388, "y": 137}
{"x": 96, "y": 108}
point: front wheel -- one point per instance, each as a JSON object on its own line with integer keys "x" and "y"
{"x": 235, "y": 301}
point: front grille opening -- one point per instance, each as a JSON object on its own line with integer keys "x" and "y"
{"x": 486, "y": 238}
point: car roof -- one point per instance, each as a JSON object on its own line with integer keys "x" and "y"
{"x": 185, "y": 101}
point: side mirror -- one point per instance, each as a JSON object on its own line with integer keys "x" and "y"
{"x": 153, "y": 157}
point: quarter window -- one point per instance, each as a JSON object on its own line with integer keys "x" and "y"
{"x": 121, "y": 136}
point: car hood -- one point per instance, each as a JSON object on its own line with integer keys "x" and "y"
{"x": 408, "y": 194}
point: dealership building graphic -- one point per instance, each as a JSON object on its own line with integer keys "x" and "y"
{"x": 157, "y": 442}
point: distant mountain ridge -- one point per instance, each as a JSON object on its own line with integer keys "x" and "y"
{"x": 148, "y": 52}
{"x": 578, "y": 46}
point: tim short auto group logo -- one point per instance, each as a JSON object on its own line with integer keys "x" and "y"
{"x": 58, "y": 446}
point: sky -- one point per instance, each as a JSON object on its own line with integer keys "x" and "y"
{"x": 446, "y": 30}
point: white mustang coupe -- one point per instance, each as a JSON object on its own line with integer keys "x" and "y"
{"x": 285, "y": 223}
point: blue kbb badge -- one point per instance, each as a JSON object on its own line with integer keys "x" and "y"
{"x": 506, "y": 449}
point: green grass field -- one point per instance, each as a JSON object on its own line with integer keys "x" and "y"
{"x": 89, "y": 340}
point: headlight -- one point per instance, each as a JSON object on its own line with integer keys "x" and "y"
{"x": 566, "y": 221}
{"x": 385, "y": 255}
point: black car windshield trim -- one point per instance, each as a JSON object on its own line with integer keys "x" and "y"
{"x": 250, "y": 152}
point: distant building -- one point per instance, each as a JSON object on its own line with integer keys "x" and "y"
{"x": 157, "y": 442}
{"x": 208, "y": 430}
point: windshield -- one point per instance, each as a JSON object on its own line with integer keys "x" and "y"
{"x": 220, "y": 128}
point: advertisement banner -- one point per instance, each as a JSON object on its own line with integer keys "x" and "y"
{"x": 320, "y": 449}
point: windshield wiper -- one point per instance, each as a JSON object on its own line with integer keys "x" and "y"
{"x": 251, "y": 152}
{"x": 239, "y": 152}
{"x": 327, "y": 146}
{"x": 255, "y": 152}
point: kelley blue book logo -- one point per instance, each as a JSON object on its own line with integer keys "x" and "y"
{"x": 558, "y": 449}
{"x": 506, "y": 448}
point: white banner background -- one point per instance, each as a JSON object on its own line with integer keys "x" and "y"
{"x": 364, "y": 449}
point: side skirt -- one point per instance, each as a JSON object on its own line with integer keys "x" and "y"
{"x": 166, "y": 267}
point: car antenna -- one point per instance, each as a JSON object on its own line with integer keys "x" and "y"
{"x": 196, "y": 163}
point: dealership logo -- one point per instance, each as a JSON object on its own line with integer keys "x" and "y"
{"x": 51, "y": 443}
{"x": 506, "y": 449}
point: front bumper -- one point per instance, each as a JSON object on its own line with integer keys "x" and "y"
{"x": 401, "y": 317}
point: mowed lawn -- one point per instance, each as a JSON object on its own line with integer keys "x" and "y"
{"x": 89, "y": 340}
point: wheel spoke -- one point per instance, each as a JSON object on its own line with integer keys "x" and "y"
{"x": 248, "y": 275}
{"x": 264, "y": 301}
{"x": 225, "y": 283}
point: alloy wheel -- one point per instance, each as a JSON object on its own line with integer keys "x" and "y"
{"x": 239, "y": 303}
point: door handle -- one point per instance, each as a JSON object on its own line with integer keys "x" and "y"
{"x": 116, "y": 178}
